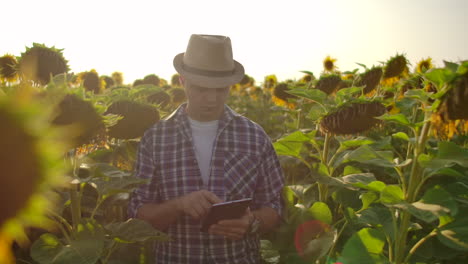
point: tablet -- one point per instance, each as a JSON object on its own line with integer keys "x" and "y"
{"x": 225, "y": 210}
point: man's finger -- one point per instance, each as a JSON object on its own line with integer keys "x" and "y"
{"x": 211, "y": 197}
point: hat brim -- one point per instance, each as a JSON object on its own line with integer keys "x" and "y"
{"x": 209, "y": 81}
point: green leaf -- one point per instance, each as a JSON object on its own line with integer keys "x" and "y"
{"x": 455, "y": 234}
{"x": 366, "y": 155}
{"x": 291, "y": 144}
{"x": 368, "y": 198}
{"x": 452, "y": 153}
{"x": 439, "y": 76}
{"x": 86, "y": 248}
{"x": 107, "y": 186}
{"x": 378, "y": 216}
{"x": 401, "y": 135}
{"x": 418, "y": 94}
{"x": 320, "y": 211}
{"x": 135, "y": 230}
{"x": 353, "y": 143}
{"x": 451, "y": 66}
{"x": 437, "y": 195}
{"x": 359, "y": 179}
{"x": 345, "y": 93}
{"x": 397, "y": 118}
{"x": 366, "y": 246}
{"x": 392, "y": 194}
{"x": 316, "y": 111}
{"x": 311, "y": 94}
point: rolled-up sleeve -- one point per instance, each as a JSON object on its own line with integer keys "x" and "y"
{"x": 271, "y": 181}
{"x": 144, "y": 169}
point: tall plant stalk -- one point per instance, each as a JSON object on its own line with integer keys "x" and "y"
{"x": 411, "y": 194}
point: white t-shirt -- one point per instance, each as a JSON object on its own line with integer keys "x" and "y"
{"x": 203, "y": 135}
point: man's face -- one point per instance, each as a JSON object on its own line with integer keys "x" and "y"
{"x": 205, "y": 104}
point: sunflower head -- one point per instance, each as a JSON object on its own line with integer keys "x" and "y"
{"x": 175, "y": 80}
{"x": 307, "y": 78}
{"x": 136, "y": 119}
{"x": 137, "y": 82}
{"x": 455, "y": 102}
{"x": 81, "y": 115}
{"x": 270, "y": 81}
{"x": 246, "y": 80}
{"x": 424, "y": 65}
{"x": 370, "y": 79}
{"x": 39, "y": 62}
{"x": 17, "y": 145}
{"x": 353, "y": 118}
{"x": 329, "y": 64}
{"x": 328, "y": 83}
{"x": 107, "y": 81}
{"x": 160, "y": 98}
{"x": 31, "y": 161}
{"x": 8, "y": 67}
{"x": 281, "y": 97}
{"x": 152, "y": 79}
{"x": 177, "y": 95}
{"x": 395, "y": 66}
{"x": 118, "y": 78}
{"x": 91, "y": 81}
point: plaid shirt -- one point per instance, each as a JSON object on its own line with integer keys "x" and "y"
{"x": 244, "y": 164}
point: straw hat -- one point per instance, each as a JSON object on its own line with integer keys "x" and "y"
{"x": 208, "y": 62}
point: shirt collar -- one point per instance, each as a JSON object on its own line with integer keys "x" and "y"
{"x": 180, "y": 118}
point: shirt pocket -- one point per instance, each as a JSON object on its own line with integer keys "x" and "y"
{"x": 240, "y": 173}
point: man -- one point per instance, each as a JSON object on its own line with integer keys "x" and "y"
{"x": 205, "y": 153}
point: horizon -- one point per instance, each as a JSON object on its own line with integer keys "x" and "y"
{"x": 268, "y": 37}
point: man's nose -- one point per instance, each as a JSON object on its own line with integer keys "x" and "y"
{"x": 211, "y": 96}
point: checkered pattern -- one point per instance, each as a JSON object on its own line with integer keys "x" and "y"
{"x": 244, "y": 164}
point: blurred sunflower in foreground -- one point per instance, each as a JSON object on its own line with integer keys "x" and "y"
{"x": 31, "y": 162}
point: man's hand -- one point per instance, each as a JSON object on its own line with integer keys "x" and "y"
{"x": 197, "y": 204}
{"x": 233, "y": 228}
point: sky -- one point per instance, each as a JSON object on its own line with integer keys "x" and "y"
{"x": 141, "y": 37}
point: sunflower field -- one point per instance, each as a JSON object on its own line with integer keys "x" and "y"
{"x": 375, "y": 161}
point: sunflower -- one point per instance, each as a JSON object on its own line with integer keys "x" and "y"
{"x": 19, "y": 178}
{"x": 160, "y": 98}
{"x": 329, "y": 64}
{"x": 81, "y": 115}
{"x": 307, "y": 78}
{"x": 40, "y": 62}
{"x": 107, "y": 81}
{"x": 270, "y": 81}
{"x": 370, "y": 79}
{"x": 175, "y": 80}
{"x": 8, "y": 64}
{"x": 177, "y": 95}
{"x": 91, "y": 81}
{"x": 328, "y": 83}
{"x": 30, "y": 161}
{"x": 136, "y": 119}
{"x": 282, "y": 97}
{"x": 137, "y": 82}
{"x": 152, "y": 79}
{"x": 424, "y": 65}
{"x": 395, "y": 66}
{"x": 352, "y": 118}
{"x": 118, "y": 78}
